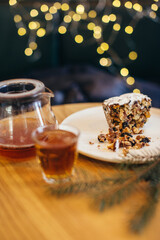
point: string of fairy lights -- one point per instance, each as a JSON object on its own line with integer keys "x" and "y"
{"x": 77, "y": 18}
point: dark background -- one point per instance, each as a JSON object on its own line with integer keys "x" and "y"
{"x": 72, "y": 71}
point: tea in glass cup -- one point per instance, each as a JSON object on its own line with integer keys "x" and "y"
{"x": 56, "y": 150}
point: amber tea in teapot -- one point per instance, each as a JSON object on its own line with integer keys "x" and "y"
{"x": 16, "y": 146}
{"x": 24, "y": 106}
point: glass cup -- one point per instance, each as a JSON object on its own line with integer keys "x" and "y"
{"x": 57, "y": 151}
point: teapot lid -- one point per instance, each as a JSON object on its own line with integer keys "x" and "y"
{"x": 20, "y": 88}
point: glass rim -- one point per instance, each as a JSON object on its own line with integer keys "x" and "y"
{"x": 76, "y": 131}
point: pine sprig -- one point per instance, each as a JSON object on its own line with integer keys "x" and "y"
{"x": 109, "y": 191}
{"x": 145, "y": 212}
{"x": 119, "y": 192}
{"x": 84, "y": 187}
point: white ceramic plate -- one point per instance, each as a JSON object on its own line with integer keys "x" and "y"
{"x": 91, "y": 122}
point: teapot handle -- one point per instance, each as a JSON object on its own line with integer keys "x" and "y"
{"x": 52, "y": 95}
{"x": 50, "y": 91}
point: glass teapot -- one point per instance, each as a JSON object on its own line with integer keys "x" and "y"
{"x": 24, "y": 105}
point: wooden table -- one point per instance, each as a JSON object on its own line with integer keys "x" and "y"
{"x": 29, "y": 210}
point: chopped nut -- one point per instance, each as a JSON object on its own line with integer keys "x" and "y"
{"x": 125, "y": 151}
{"x": 147, "y": 114}
{"x": 111, "y": 146}
{"x": 127, "y": 143}
{"x": 135, "y": 130}
{"x": 141, "y": 131}
{"x": 127, "y": 130}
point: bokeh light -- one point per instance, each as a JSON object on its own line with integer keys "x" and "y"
{"x": 99, "y": 50}
{"x": 48, "y": 16}
{"x": 41, "y": 32}
{"x": 44, "y": 8}
{"x": 128, "y": 4}
{"x": 28, "y": 51}
{"x": 33, "y": 25}
{"x": 80, "y": 9}
{"x": 92, "y": 14}
{"x": 97, "y": 35}
{"x": 116, "y": 3}
{"x": 12, "y": 2}
{"x": 76, "y": 17}
{"x": 103, "y": 62}
{"x": 137, "y": 7}
{"x": 116, "y": 27}
{"x": 57, "y": 5}
{"x": 33, "y": 45}
{"x": 109, "y": 63}
{"x": 84, "y": 16}
{"x": 104, "y": 46}
{"x": 17, "y": 18}
{"x": 22, "y": 31}
{"x": 78, "y": 38}
{"x": 124, "y": 72}
{"x": 129, "y": 29}
{"x": 130, "y": 80}
{"x": 62, "y": 30}
{"x": 154, "y": 7}
{"x": 136, "y": 90}
{"x": 133, "y": 55}
{"x": 53, "y": 10}
{"x": 112, "y": 17}
{"x": 97, "y": 29}
{"x": 67, "y": 19}
{"x": 33, "y": 13}
{"x": 91, "y": 26}
{"x": 65, "y": 7}
{"x": 105, "y": 19}
{"x": 152, "y": 14}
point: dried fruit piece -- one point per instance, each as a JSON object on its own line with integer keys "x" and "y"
{"x": 102, "y": 137}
